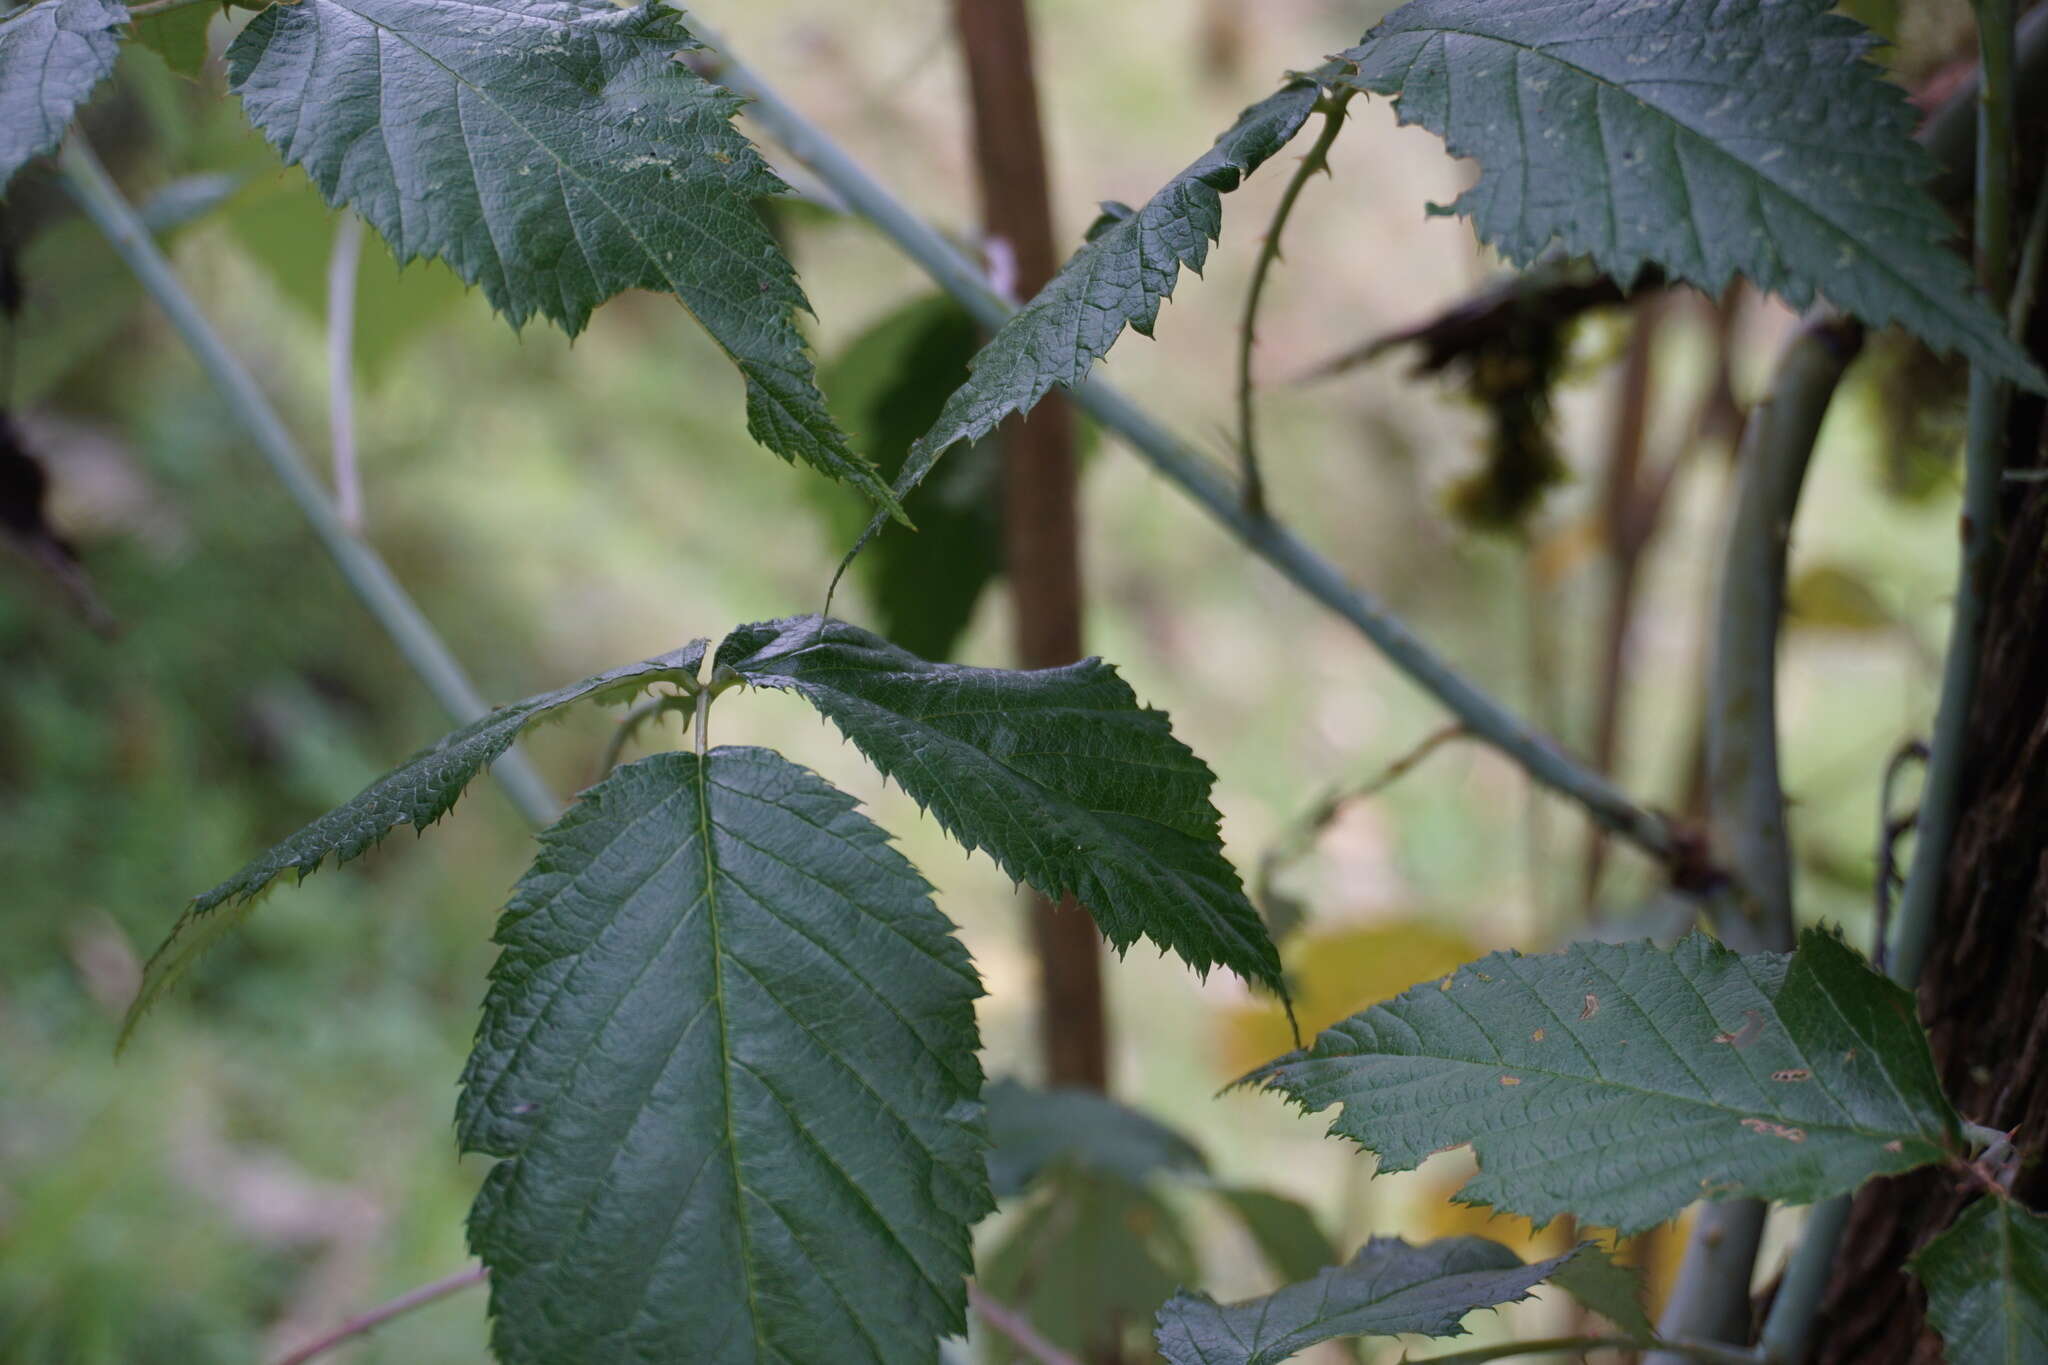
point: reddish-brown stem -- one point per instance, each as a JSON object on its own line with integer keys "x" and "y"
{"x": 1016, "y": 1330}
{"x": 385, "y": 1312}
{"x": 1041, "y": 525}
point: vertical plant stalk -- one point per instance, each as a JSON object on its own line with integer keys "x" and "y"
{"x": 366, "y": 574}
{"x": 1983, "y": 473}
{"x": 1788, "y": 1334}
{"x": 1041, "y": 515}
{"x": 1197, "y": 476}
{"x": 1318, "y": 159}
{"x": 1746, "y": 802}
{"x": 1625, "y": 534}
{"x": 342, "y": 266}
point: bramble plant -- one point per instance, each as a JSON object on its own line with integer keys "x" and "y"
{"x": 728, "y": 1059}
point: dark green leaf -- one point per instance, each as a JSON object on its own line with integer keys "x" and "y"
{"x": 1987, "y": 1285}
{"x": 1713, "y": 138}
{"x": 1058, "y": 773}
{"x": 1387, "y": 1289}
{"x": 556, "y": 153}
{"x": 417, "y": 792}
{"x": 1030, "y": 1130}
{"x": 1119, "y": 278}
{"x": 888, "y": 386}
{"x": 1622, "y": 1082}
{"x": 728, "y": 1059}
{"x": 52, "y": 55}
{"x": 1287, "y": 1233}
{"x": 1609, "y": 1288}
{"x": 178, "y": 36}
{"x": 1088, "y": 1262}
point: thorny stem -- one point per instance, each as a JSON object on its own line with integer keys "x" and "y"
{"x": 1318, "y": 159}
{"x": 1706, "y": 1352}
{"x": 385, "y": 1312}
{"x": 1789, "y": 1330}
{"x": 366, "y": 573}
{"x": 1197, "y": 476}
{"x": 1746, "y": 799}
{"x": 1015, "y": 1329}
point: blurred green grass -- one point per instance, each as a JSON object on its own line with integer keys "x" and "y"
{"x": 274, "y": 1151}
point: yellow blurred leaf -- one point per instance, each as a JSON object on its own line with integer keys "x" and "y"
{"x": 1833, "y": 597}
{"x": 1335, "y": 973}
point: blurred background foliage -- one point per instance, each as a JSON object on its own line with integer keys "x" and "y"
{"x": 274, "y": 1151}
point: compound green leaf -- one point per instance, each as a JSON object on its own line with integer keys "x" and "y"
{"x": 1130, "y": 263}
{"x": 1389, "y": 1288}
{"x": 728, "y": 1062}
{"x": 1987, "y": 1285}
{"x": 1058, "y": 773}
{"x": 1030, "y": 1130}
{"x": 555, "y": 152}
{"x": 1713, "y": 137}
{"x": 1622, "y": 1082}
{"x": 417, "y": 792}
{"x": 52, "y": 55}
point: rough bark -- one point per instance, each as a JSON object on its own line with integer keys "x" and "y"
{"x": 1984, "y": 996}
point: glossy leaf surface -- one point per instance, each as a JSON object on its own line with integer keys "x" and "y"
{"x": 728, "y": 1061}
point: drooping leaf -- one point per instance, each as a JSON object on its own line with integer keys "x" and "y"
{"x": 1058, "y": 773}
{"x": 1621, "y": 1082}
{"x": 1128, "y": 266}
{"x": 728, "y": 1061}
{"x": 556, "y": 153}
{"x": 1088, "y": 1262}
{"x": 1389, "y": 1288}
{"x": 417, "y": 792}
{"x": 178, "y": 36}
{"x": 1713, "y": 138}
{"x": 888, "y": 386}
{"x": 1285, "y": 1230}
{"x": 1987, "y": 1285}
{"x": 1030, "y": 1130}
{"x": 52, "y": 55}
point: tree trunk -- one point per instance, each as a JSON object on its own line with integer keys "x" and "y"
{"x": 1986, "y": 981}
{"x": 1041, "y": 533}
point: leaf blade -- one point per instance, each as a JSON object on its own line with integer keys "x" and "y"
{"x": 1059, "y": 774}
{"x": 1621, "y": 1082}
{"x": 555, "y": 153}
{"x": 780, "y": 1154}
{"x": 1673, "y": 127}
{"x": 1987, "y": 1284}
{"x": 52, "y": 56}
{"x": 1388, "y": 1289}
{"x": 417, "y": 792}
{"x": 1031, "y": 1130}
{"x": 1128, "y": 267}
